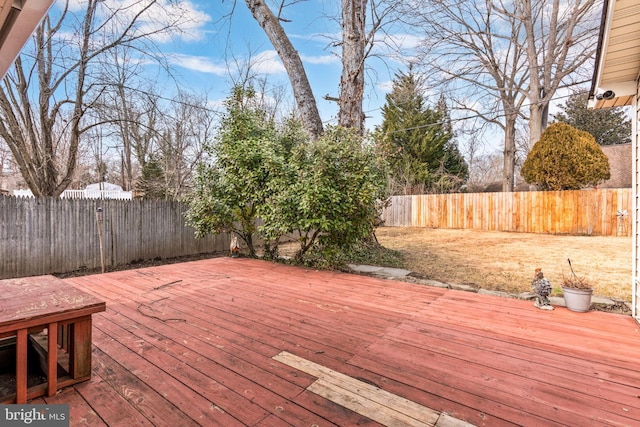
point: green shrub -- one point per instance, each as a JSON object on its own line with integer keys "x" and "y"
{"x": 565, "y": 159}
{"x": 332, "y": 202}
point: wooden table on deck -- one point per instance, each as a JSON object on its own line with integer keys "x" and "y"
{"x": 31, "y": 305}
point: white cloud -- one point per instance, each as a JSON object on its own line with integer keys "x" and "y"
{"x": 401, "y": 42}
{"x": 386, "y": 86}
{"x": 198, "y": 63}
{"x": 191, "y": 21}
{"x": 159, "y": 22}
{"x": 320, "y": 60}
{"x": 162, "y": 21}
{"x": 267, "y": 62}
{"x": 73, "y": 5}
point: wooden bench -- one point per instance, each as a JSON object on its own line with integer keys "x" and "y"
{"x": 53, "y": 319}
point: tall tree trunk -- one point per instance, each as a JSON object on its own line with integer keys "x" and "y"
{"x": 292, "y": 63}
{"x": 508, "y": 178}
{"x": 353, "y": 55}
{"x": 537, "y": 123}
{"x": 559, "y": 40}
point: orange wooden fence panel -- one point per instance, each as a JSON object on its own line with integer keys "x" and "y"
{"x": 604, "y": 212}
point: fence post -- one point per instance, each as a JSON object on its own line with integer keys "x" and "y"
{"x": 99, "y": 221}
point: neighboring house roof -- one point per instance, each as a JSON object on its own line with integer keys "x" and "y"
{"x": 619, "y": 156}
{"x": 18, "y": 19}
{"x": 104, "y": 186}
{"x": 618, "y": 55}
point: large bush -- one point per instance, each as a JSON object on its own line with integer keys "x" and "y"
{"x": 248, "y": 166}
{"x": 325, "y": 191}
{"x": 332, "y": 202}
{"x": 565, "y": 159}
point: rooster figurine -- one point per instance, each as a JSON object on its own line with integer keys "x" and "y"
{"x": 542, "y": 289}
{"x": 234, "y": 247}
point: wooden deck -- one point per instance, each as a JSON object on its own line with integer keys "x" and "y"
{"x": 203, "y": 343}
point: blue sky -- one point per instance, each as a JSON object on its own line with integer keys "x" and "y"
{"x": 214, "y": 44}
{"x": 205, "y": 55}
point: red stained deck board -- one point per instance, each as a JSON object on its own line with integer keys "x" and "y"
{"x": 296, "y": 308}
{"x": 108, "y": 403}
{"x": 171, "y": 347}
{"x": 431, "y": 345}
{"x": 520, "y": 392}
{"x": 306, "y": 282}
{"x": 208, "y": 328}
{"x": 328, "y": 328}
{"x": 274, "y": 320}
{"x": 536, "y": 331}
{"x": 519, "y": 314}
{"x": 451, "y": 394}
{"x": 79, "y": 410}
{"x": 148, "y": 401}
{"x": 236, "y": 333}
{"x": 243, "y": 390}
{"x": 509, "y": 356}
{"x": 159, "y": 373}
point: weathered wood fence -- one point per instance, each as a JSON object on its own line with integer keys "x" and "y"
{"x": 605, "y": 212}
{"x": 52, "y": 235}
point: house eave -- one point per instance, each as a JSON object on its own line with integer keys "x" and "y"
{"x": 18, "y": 19}
{"x": 617, "y": 67}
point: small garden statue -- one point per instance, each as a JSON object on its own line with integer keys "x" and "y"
{"x": 234, "y": 247}
{"x": 542, "y": 289}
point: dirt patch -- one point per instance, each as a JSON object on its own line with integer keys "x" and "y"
{"x": 506, "y": 262}
{"x": 141, "y": 264}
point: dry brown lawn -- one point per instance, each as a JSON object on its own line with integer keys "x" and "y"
{"x": 506, "y": 261}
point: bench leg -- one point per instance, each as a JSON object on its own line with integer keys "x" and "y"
{"x": 21, "y": 366}
{"x": 52, "y": 359}
{"x": 80, "y": 354}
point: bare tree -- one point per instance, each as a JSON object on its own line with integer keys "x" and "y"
{"x": 5, "y": 161}
{"x": 560, "y": 38}
{"x": 44, "y": 101}
{"x": 133, "y": 116}
{"x": 181, "y": 147}
{"x": 498, "y": 54}
{"x": 475, "y": 52}
{"x": 357, "y": 45}
{"x": 354, "y": 41}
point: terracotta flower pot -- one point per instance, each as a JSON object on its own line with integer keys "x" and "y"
{"x": 577, "y": 299}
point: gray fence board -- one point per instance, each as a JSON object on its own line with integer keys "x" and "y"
{"x": 51, "y": 235}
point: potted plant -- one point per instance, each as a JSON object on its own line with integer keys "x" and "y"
{"x": 577, "y": 291}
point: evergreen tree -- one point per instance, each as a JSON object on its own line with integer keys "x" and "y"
{"x": 418, "y": 141}
{"x": 454, "y": 169}
{"x": 151, "y": 183}
{"x": 608, "y": 126}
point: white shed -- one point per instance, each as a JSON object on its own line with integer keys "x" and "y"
{"x": 103, "y": 186}
{"x": 616, "y": 82}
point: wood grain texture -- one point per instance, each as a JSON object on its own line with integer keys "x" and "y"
{"x": 195, "y": 342}
{"x": 588, "y": 212}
